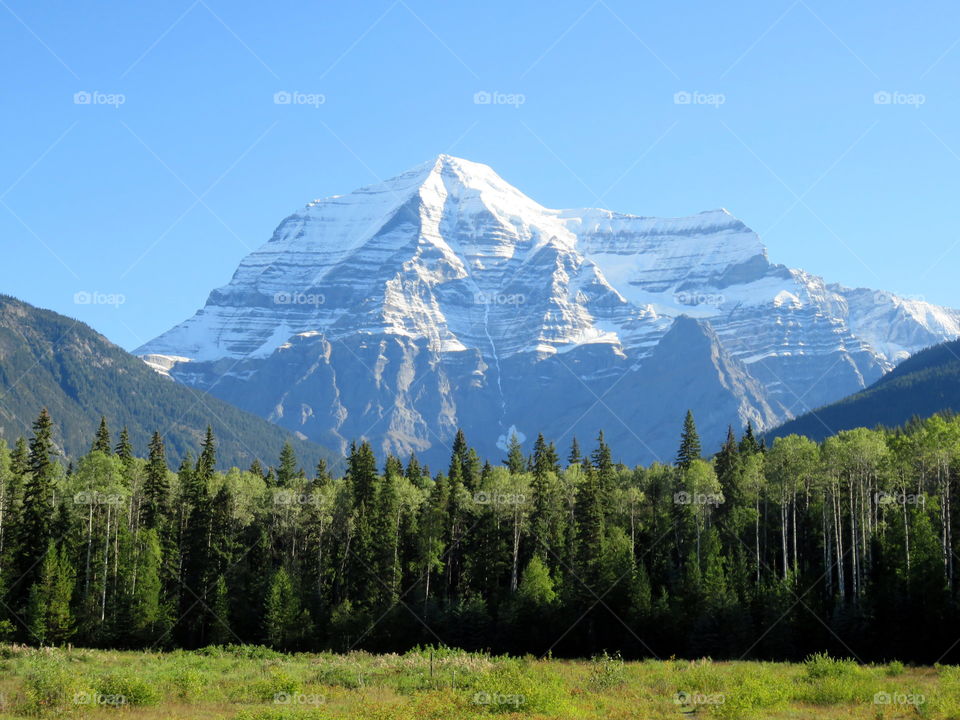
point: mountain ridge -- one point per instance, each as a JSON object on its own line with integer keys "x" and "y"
{"x": 924, "y": 384}
{"x": 53, "y": 361}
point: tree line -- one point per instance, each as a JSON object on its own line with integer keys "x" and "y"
{"x": 756, "y": 552}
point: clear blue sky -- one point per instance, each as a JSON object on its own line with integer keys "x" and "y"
{"x": 159, "y": 198}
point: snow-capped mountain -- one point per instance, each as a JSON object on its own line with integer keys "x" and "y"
{"x": 446, "y": 298}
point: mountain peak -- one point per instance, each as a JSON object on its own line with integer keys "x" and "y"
{"x": 449, "y": 272}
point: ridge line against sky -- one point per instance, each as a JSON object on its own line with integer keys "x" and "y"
{"x": 150, "y": 148}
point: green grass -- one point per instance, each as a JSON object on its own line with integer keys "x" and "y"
{"x": 245, "y": 683}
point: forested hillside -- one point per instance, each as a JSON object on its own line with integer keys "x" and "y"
{"x": 52, "y": 361}
{"x": 924, "y": 384}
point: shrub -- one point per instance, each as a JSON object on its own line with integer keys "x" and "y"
{"x": 607, "y": 671}
{"x": 278, "y": 683}
{"x": 49, "y": 688}
{"x": 125, "y": 688}
{"x": 189, "y": 683}
{"x": 821, "y": 665}
{"x": 515, "y": 687}
{"x": 894, "y": 668}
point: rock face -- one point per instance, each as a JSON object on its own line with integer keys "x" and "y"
{"x": 446, "y": 298}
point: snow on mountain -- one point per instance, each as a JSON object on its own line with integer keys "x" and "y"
{"x": 456, "y": 295}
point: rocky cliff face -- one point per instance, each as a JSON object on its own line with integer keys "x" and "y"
{"x": 446, "y": 298}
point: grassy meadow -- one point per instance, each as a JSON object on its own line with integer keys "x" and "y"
{"x": 253, "y": 683}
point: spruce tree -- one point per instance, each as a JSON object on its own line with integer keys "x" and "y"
{"x": 37, "y": 514}
{"x": 574, "y": 457}
{"x": 20, "y": 457}
{"x": 124, "y": 449}
{"x": 603, "y": 464}
{"x": 515, "y": 460}
{"x": 322, "y": 477}
{"x": 287, "y": 467}
{"x": 364, "y": 484}
{"x": 689, "y": 443}
{"x": 156, "y": 486}
{"x": 197, "y": 546}
{"x": 748, "y": 443}
{"x": 101, "y": 442}
{"x": 48, "y": 615}
{"x": 146, "y": 604}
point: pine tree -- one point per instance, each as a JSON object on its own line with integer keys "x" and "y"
{"x": 196, "y": 573}
{"x": 20, "y": 458}
{"x": 574, "y": 457}
{"x": 48, "y": 616}
{"x": 748, "y": 443}
{"x": 364, "y": 484}
{"x": 416, "y": 474}
{"x": 603, "y": 464}
{"x": 207, "y": 462}
{"x": 515, "y": 460}
{"x": 156, "y": 486}
{"x": 287, "y": 469}
{"x": 385, "y": 530}
{"x": 146, "y": 605}
{"x": 689, "y": 443}
{"x": 322, "y": 477}
{"x": 589, "y": 513}
{"x": 544, "y": 479}
{"x": 458, "y": 453}
{"x": 37, "y": 515}
{"x": 101, "y": 442}
{"x": 124, "y": 449}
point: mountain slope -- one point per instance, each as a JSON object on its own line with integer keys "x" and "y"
{"x": 49, "y": 360}
{"x": 922, "y": 385}
{"x": 444, "y": 297}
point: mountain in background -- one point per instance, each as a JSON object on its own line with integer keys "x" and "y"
{"x": 924, "y": 384}
{"x": 49, "y": 360}
{"x": 446, "y": 298}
